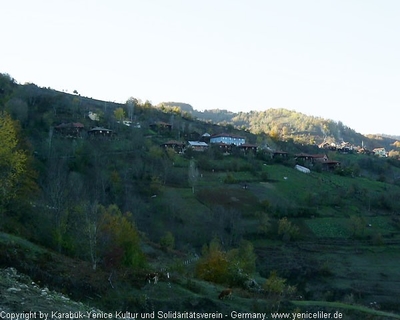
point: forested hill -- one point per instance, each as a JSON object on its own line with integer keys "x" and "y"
{"x": 28, "y": 101}
{"x": 100, "y": 201}
{"x": 287, "y": 125}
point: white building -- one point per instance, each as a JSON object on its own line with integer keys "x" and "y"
{"x": 227, "y": 139}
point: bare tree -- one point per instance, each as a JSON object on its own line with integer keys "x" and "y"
{"x": 193, "y": 174}
{"x": 92, "y": 219}
{"x": 56, "y": 196}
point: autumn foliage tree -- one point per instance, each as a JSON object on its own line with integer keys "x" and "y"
{"x": 120, "y": 239}
{"x": 213, "y": 264}
{"x": 233, "y": 267}
{"x": 13, "y": 159}
{"x": 287, "y": 229}
{"x": 119, "y": 114}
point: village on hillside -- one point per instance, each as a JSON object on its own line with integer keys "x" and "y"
{"x": 226, "y": 143}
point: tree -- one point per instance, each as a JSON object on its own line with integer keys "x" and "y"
{"x": 193, "y": 174}
{"x": 275, "y": 285}
{"x": 233, "y": 267}
{"x": 167, "y": 242}
{"x": 287, "y": 229}
{"x": 264, "y": 223}
{"x": 13, "y": 160}
{"x": 57, "y": 199}
{"x": 18, "y": 109}
{"x": 242, "y": 263}
{"x": 131, "y": 104}
{"x": 277, "y": 289}
{"x": 91, "y": 230}
{"x": 7, "y": 86}
{"x": 213, "y": 265}
{"x": 119, "y": 114}
{"x": 357, "y": 226}
{"x": 120, "y": 238}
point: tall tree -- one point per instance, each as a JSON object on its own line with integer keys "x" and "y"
{"x": 131, "y": 104}
{"x": 13, "y": 160}
{"x": 119, "y": 114}
{"x": 18, "y": 109}
{"x": 193, "y": 174}
{"x": 120, "y": 238}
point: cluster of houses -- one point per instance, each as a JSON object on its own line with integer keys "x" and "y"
{"x": 225, "y": 142}
{"x": 346, "y": 147}
{"x": 76, "y": 130}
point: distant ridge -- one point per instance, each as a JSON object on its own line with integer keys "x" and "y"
{"x": 287, "y": 124}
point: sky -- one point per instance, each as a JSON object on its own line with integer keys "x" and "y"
{"x": 339, "y": 59}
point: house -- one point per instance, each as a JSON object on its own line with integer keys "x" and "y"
{"x": 177, "y": 146}
{"x": 223, "y": 147}
{"x": 365, "y": 151}
{"x": 93, "y": 116}
{"x": 198, "y": 145}
{"x": 127, "y": 123}
{"x": 328, "y": 146}
{"x": 330, "y": 165}
{"x": 279, "y": 154}
{"x": 70, "y": 130}
{"x": 160, "y": 126}
{"x": 248, "y": 147}
{"x": 311, "y": 158}
{"x": 205, "y": 137}
{"x": 381, "y": 152}
{"x": 100, "y": 132}
{"x": 194, "y": 136}
{"x": 227, "y": 138}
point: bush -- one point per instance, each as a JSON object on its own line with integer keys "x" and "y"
{"x": 287, "y": 229}
{"x": 233, "y": 267}
{"x": 229, "y": 178}
{"x": 168, "y": 241}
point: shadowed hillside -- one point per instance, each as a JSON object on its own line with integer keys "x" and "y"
{"x": 143, "y": 208}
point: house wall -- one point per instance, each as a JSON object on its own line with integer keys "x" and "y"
{"x": 228, "y": 140}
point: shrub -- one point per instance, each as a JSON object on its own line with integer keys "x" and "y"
{"x": 168, "y": 241}
{"x": 229, "y": 178}
{"x": 287, "y": 229}
{"x": 232, "y": 267}
{"x": 120, "y": 238}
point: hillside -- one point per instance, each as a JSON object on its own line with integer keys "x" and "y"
{"x": 290, "y": 125}
{"x": 102, "y": 194}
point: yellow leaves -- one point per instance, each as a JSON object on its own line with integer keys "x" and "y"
{"x": 13, "y": 160}
{"x": 232, "y": 267}
{"x": 287, "y": 229}
{"x": 277, "y": 288}
{"x": 119, "y": 114}
{"x": 275, "y": 285}
{"x": 122, "y": 234}
{"x": 214, "y": 264}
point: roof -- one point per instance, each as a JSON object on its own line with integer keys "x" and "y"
{"x": 248, "y": 145}
{"x": 226, "y": 135}
{"x": 197, "y": 144}
{"x": 70, "y": 125}
{"x": 160, "y": 123}
{"x": 302, "y": 155}
{"x": 173, "y": 142}
{"x": 99, "y": 129}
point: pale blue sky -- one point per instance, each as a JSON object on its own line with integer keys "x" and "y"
{"x": 335, "y": 59}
